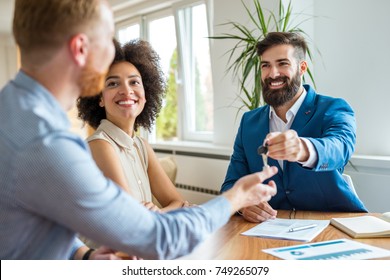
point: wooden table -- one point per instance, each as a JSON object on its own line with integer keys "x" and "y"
{"x": 228, "y": 243}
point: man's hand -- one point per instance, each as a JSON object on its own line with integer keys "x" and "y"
{"x": 104, "y": 253}
{"x": 249, "y": 190}
{"x": 286, "y": 146}
{"x": 259, "y": 213}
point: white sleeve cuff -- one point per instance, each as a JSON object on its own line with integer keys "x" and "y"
{"x": 311, "y": 162}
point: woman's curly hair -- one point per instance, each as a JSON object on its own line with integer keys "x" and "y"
{"x": 147, "y": 61}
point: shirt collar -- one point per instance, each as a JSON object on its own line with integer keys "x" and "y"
{"x": 120, "y": 137}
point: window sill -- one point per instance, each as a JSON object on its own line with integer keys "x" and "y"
{"x": 192, "y": 147}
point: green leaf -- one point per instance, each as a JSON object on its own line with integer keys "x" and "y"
{"x": 286, "y": 18}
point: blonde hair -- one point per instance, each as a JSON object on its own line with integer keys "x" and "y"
{"x": 48, "y": 24}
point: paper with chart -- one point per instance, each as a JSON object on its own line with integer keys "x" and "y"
{"x": 284, "y": 229}
{"x": 339, "y": 249}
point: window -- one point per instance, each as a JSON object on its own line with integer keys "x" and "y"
{"x": 162, "y": 36}
{"x": 131, "y": 31}
{"x": 179, "y": 35}
{"x": 196, "y": 72}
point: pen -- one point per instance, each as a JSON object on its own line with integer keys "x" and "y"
{"x": 302, "y": 228}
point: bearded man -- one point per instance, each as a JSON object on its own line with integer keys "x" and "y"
{"x": 309, "y": 137}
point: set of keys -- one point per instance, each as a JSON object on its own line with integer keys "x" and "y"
{"x": 262, "y": 151}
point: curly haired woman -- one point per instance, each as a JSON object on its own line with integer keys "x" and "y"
{"x": 133, "y": 91}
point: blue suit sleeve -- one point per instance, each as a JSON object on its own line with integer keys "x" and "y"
{"x": 336, "y": 144}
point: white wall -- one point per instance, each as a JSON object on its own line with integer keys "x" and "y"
{"x": 353, "y": 36}
{"x": 371, "y": 178}
{"x": 8, "y": 58}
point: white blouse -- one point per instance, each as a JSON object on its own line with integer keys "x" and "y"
{"x": 133, "y": 157}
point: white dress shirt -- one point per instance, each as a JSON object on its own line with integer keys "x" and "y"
{"x": 276, "y": 124}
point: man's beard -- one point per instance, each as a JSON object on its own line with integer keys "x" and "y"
{"x": 91, "y": 82}
{"x": 279, "y": 97}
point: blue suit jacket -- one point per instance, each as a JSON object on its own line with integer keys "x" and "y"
{"x": 329, "y": 123}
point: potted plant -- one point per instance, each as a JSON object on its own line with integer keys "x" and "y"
{"x": 243, "y": 59}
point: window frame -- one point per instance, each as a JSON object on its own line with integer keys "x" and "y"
{"x": 128, "y": 22}
{"x": 185, "y": 101}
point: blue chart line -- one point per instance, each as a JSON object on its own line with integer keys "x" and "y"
{"x": 310, "y": 245}
{"x": 338, "y": 255}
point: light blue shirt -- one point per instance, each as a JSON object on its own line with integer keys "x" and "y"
{"x": 51, "y": 189}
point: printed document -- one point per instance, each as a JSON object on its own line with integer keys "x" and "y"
{"x": 291, "y": 229}
{"x": 339, "y": 249}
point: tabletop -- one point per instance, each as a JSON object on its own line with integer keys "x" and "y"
{"x": 228, "y": 244}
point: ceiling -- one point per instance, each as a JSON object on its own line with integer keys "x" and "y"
{"x": 7, "y": 10}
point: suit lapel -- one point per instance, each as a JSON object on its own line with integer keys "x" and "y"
{"x": 264, "y": 124}
{"x": 305, "y": 112}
